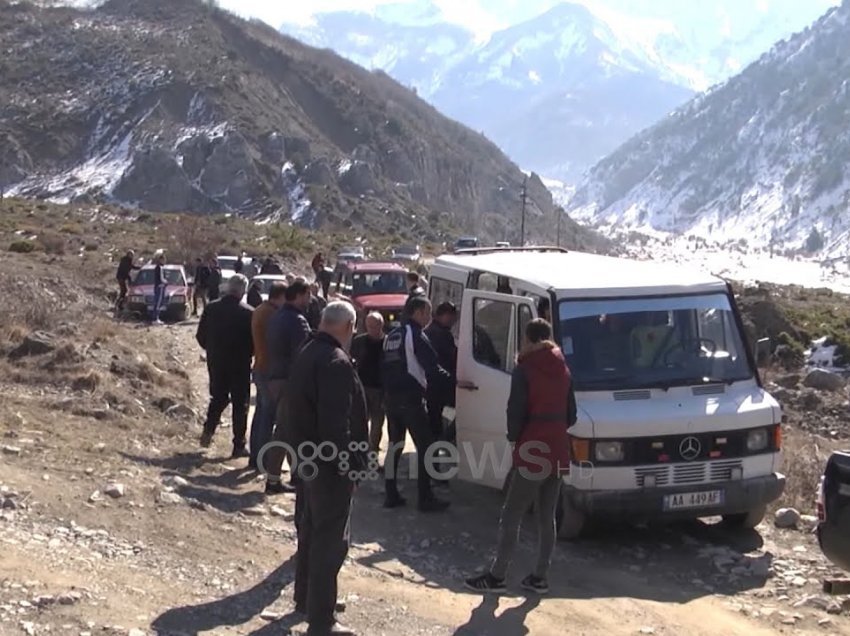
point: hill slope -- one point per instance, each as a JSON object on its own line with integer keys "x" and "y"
{"x": 762, "y": 157}
{"x": 174, "y": 105}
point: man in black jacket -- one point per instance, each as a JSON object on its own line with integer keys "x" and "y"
{"x": 439, "y": 332}
{"x": 326, "y": 406}
{"x": 224, "y": 332}
{"x": 367, "y": 349}
{"x": 287, "y": 331}
{"x": 126, "y": 265}
{"x": 214, "y": 281}
{"x": 410, "y": 369}
{"x": 200, "y": 286}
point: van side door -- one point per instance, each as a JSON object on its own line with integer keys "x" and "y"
{"x": 489, "y": 338}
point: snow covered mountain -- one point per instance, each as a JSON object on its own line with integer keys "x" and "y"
{"x": 762, "y": 157}
{"x": 565, "y": 86}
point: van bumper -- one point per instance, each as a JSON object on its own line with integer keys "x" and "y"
{"x": 740, "y": 496}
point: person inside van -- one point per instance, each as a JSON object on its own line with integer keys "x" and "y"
{"x": 541, "y": 407}
{"x": 651, "y": 342}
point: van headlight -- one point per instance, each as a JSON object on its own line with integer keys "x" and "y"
{"x": 757, "y": 440}
{"x": 609, "y": 451}
{"x": 177, "y": 299}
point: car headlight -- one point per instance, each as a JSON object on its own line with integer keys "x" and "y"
{"x": 177, "y": 299}
{"x": 757, "y": 440}
{"x": 609, "y": 451}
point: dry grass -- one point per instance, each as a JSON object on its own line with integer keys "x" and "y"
{"x": 805, "y": 458}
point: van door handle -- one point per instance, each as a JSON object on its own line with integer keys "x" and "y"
{"x": 466, "y": 385}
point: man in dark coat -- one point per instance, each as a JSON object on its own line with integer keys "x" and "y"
{"x": 367, "y": 350}
{"x": 287, "y": 331}
{"x": 315, "y": 307}
{"x": 327, "y": 407}
{"x": 541, "y": 408}
{"x": 224, "y": 332}
{"x": 214, "y": 281}
{"x": 125, "y": 266}
{"x": 200, "y": 286}
{"x": 439, "y": 332}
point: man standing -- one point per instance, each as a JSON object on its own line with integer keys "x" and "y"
{"x": 409, "y": 367}
{"x": 159, "y": 283}
{"x": 214, "y": 281}
{"x": 327, "y": 407}
{"x": 201, "y": 285}
{"x": 287, "y": 331}
{"x": 541, "y": 408}
{"x": 264, "y": 409}
{"x": 224, "y": 332}
{"x": 439, "y": 332}
{"x": 126, "y": 265}
{"x": 367, "y": 350}
{"x": 315, "y": 307}
{"x": 414, "y": 288}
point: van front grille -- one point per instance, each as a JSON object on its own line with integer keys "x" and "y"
{"x": 684, "y": 474}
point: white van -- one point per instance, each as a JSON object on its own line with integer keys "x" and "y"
{"x": 673, "y": 419}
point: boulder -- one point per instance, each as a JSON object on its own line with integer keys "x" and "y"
{"x": 823, "y": 380}
{"x": 114, "y": 490}
{"x": 35, "y": 344}
{"x": 786, "y": 518}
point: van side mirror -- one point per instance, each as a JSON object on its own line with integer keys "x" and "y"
{"x": 762, "y": 350}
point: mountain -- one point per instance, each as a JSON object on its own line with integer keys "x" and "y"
{"x": 178, "y": 105}
{"x": 567, "y": 82}
{"x": 762, "y": 157}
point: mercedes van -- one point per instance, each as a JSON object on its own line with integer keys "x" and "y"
{"x": 674, "y": 421}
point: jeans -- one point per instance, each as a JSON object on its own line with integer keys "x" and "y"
{"x": 262, "y": 424}
{"x": 158, "y": 297}
{"x": 522, "y": 492}
{"x": 403, "y": 416}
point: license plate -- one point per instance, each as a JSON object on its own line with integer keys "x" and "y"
{"x": 685, "y": 500}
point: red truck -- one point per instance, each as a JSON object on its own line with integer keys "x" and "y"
{"x": 372, "y": 286}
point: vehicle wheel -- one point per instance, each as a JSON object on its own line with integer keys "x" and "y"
{"x": 570, "y": 522}
{"x": 746, "y": 520}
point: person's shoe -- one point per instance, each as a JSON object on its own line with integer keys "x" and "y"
{"x": 278, "y": 488}
{"x": 433, "y": 505}
{"x": 394, "y": 501}
{"x": 206, "y": 439}
{"x": 339, "y": 608}
{"x": 486, "y": 584}
{"x": 334, "y": 630}
{"x": 239, "y": 451}
{"x": 535, "y": 584}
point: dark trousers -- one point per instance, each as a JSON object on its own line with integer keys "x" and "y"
{"x": 199, "y": 296}
{"x": 375, "y": 405}
{"x": 405, "y": 416}
{"x": 435, "y": 418}
{"x": 123, "y": 288}
{"x": 323, "y": 533}
{"x": 229, "y": 383}
{"x": 273, "y": 460}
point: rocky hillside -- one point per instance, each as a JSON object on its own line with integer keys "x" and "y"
{"x": 175, "y": 105}
{"x": 760, "y": 158}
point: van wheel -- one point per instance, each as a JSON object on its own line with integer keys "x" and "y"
{"x": 746, "y": 520}
{"x": 570, "y": 521}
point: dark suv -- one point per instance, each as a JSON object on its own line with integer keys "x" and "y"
{"x": 834, "y": 510}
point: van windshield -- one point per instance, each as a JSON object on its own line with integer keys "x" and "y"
{"x": 615, "y": 344}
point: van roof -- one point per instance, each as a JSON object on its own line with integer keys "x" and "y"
{"x": 583, "y": 274}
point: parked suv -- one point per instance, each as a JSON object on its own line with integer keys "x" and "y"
{"x": 372, "y": 286}
{"x": 175, "y": 304}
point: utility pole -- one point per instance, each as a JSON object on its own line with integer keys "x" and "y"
{"x": 523, "y": 197}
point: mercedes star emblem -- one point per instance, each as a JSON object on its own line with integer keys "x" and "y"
{"x": 690, "y": 448}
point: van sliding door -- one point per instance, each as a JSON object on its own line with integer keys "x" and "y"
{"x": 490, "y": 331}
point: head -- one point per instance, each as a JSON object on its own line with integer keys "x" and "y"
{"x": 446, "y": 315}
{"x": 298, "y": 294}
{"x": 160, "y": 258}
{"x": 237, "y": 285}
{"x": 131, "y": 254}
{"x": 412, "y": 279}
{"x": 543, "y": 309}
{"x": 338, "y": 320}
{"x": 290, "y": 278}
{"x": 418, "y": 310}
{"x": 537, "y": 331}
{"x": 375, "y": 325}
{"x": 314, "y": 289}
{"x": 277, "y": 293}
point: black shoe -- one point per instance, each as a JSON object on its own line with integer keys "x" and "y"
{"x": 334, "y": 630}
{"x": 433, "y": 505}
{"x": 239, "y": 451}
{"x": 535, "y": 584}
{"x": 339, "y": 608}
{"x": 206, "y": 439}
{"x": 279, "y": 488}
{"x": 485, "y": 583}
{"x": 394, "y": 501}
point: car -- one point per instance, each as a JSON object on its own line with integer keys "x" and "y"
{"x": 266, "y": 282}
{"x": 502, "y": 244}
{"x": 372, "y": 286}
{"x": 409, "y": 255}
{"x": 175, "y": 305}
{"x": 465, "y": 243}
{"x": 227, "y": 265}
{"x": 833, "y": 528}
{"x": 347, "y": 254}
{"x": 674, "y": 419}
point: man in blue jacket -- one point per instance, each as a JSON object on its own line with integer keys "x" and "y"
{"x": 287, "y": 331}
{"x": 410, "y": 371}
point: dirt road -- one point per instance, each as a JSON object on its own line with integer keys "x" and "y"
{"x": 191, "y": 546}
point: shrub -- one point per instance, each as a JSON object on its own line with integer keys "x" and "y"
{"x": 22, "y": 247}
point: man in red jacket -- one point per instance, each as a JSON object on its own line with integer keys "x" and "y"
{"x": 541, "y": 408}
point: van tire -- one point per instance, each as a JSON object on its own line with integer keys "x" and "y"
{"x": 570, "y": 522}
{"x": 746, "y": 520}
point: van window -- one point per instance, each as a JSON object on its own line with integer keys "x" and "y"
{"x": 652, "y": 342}
{"x": 442, "y": 290}
{"x": 524, "y": 318}
{"x": 491, "y": 337}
